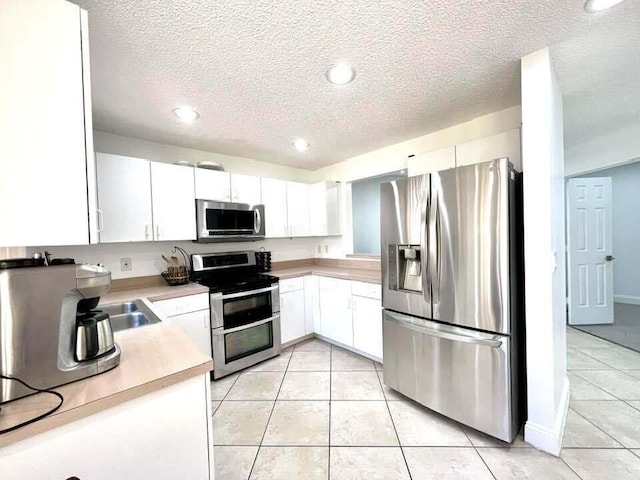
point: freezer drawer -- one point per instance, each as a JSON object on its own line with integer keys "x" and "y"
{"x": 460, "y": 373}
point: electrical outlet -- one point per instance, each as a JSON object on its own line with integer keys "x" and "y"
{"x": 326, "y": 249}
{"x": 125, "y": 264}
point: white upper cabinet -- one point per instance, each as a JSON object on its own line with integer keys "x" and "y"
{"x": 299, "y": 224}
{"x": 45, "y": 125}
{"x": 124, "y": 198}
{"x": 245, "y": 189}
{"x": 434, "y": 161}
{"x": 274, "y": 198}
{"x": 212, "y": 185}
{"x": 505, "y": 144}
{"x": 173, "y": 200}
{"x": 324, "y": 208}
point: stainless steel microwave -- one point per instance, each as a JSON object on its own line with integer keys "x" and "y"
{"x": 229, "y": 222}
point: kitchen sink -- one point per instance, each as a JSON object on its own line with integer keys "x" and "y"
{"x": 126, "y": 315}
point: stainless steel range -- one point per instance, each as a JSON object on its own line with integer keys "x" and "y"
{"x": 245, "y": 309}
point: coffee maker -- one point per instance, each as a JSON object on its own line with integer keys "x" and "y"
{"x": 50, "y": 330}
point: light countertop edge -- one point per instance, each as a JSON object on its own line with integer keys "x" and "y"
{"x": 153, "y": 357}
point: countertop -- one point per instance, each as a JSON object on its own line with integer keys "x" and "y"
{"x": 346, "y": 273}
{"x": 153, "y": 357}
{"x": 153, "y": 293}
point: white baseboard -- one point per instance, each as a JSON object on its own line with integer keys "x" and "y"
{"x": 545, "y": 439}
{"x": 630, "y": 299}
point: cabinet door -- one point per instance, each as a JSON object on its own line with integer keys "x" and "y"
{"x": 298, "y": 209}
{"x": 335, "y": 315}
{"x": 43, "y": 178}
{"x": 292, "y": 319}
{"x": 506, "y": 144}
{"x": 173, "y": 200}
{"x": 212, "y": 185}
{"x": 124, "y": 198}
{"x": 311, "y": 304}
{"x": 324, "y": 208}
{"x": 367, "y": 325}
{"x": 245, "y": 189}
{"x": 274, "y": 198}
{"x": 196, "y": 326}
{"x": 123, "y": 442}
{"x": 434, "y": 161}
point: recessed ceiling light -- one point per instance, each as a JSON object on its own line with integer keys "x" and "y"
{"x": 600, "y": 5}
{"x": 186, "y": 114}
{"x": 301, "y": 145}
{"x": 341, "y": 74}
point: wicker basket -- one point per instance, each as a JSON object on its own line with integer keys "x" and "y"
{"x": 176, "y": 275}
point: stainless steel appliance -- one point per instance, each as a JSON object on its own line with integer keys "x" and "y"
{"x": 452, "y": 297}
{"x": 226, "y": 221}
{"x": 50, "y": 332}
{"x": 245, "y": 310}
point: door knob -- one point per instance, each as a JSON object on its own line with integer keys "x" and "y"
{"x": 609, "y": 258}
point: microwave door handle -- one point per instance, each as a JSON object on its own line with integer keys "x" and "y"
{"x": 258, "y": 218}
{"x": 444, "y": 333}
{"x": 249, "y": 293}
{"x": 220, "y": 331}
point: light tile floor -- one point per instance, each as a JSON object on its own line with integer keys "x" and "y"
{"x": 320, "y": 412}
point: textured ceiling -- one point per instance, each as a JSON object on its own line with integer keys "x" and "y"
{"x": 599, "y": 75}
{"x": 255, "y": 69}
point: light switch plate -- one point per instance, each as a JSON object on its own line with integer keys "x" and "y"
{"x": 125, "y": 264}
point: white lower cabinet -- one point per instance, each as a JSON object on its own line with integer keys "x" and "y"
{"x": 163, "y": 435}
{"x": 335, "y": 310}
{"x": 292, "y": 318}
{"x": 196, "y": 326}
{"x": 190, "y": 314}
{"x": 367, "y": 325}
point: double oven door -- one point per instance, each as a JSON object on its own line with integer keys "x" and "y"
{"x": 245, "y": 328}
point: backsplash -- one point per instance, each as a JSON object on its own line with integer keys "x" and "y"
{"x": 146, "y": 256}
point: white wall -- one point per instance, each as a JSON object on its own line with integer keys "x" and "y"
{"x": 146, "y": 259}
{"x": 626, "y": 234}
{"x": 615, "y": 148}
{"x": 395, "y": 157}
{"x": 543, "y": 167}
{"x": 160, "y": 152}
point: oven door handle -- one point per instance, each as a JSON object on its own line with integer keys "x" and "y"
{"x": 220, "y": 331}
{"x": 248, "y": 294}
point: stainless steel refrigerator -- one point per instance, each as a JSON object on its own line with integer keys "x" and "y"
{"x": 452, "y": 294}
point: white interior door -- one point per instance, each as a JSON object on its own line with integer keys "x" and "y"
{"x": 590, "y": 252}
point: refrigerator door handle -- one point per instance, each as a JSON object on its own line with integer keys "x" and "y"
{"x": 446, "y": 333}
{"x": 434, "y": 245}
{"x": 424, "y": 248}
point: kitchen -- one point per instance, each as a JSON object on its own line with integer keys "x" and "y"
{"x": 244, "y": 196}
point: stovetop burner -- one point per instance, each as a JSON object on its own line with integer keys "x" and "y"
{"x": 236, "y": 283}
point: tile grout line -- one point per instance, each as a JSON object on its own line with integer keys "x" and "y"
{"x": 617, "y": 399}
{"x": 393, "y": 423}
{"x": 478, "y": 453}
{"x": 330, "y": 390}
{"x": 596, "y": 426}
{"x": 270, "y": 415}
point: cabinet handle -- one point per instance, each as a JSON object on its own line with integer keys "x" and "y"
{"x": 100, "y": 219}
{"x": 146, "y": 232}
{"x": 227, "y": 195}
{"x": 157, "y": 232}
